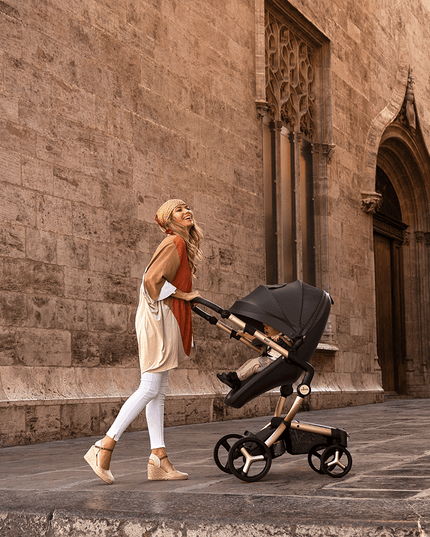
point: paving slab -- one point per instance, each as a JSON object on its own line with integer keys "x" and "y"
{"x": 49, "y": 490}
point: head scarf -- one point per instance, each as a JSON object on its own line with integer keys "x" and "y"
{"x": 164, "y": 212}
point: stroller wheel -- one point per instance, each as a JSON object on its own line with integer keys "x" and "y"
{"x": 221, "y": 451}
{"x": 249, "y": 459}
{"x": 314, "y": 457}
{"x": 336, "y": 461}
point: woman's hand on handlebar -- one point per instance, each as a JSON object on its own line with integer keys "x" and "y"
{"x": 188, "y": 297}
{"x": 192, "y": 296}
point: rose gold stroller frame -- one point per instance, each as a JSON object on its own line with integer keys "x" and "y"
{"x": 336, "y": 439}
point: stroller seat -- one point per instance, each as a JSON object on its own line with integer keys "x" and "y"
{"x": 276, "y": 374}
{"x": 308, "y": 332}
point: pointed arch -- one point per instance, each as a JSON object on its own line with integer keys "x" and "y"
{"x": 380, "y": 123}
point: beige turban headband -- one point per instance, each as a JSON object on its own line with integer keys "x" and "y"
{"x": 164, "y": 212}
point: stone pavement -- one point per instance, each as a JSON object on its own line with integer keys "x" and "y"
{"x": 49, "y": 490}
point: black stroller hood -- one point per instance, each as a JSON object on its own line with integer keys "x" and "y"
{"x": 291, "y": 308}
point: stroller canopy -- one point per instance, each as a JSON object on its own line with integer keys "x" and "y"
{"x": 291, "y": 308}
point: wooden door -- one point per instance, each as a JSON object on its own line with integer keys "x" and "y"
{"x": 389, "y": 312}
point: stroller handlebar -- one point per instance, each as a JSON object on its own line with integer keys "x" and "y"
{"x": 204, "y": 302}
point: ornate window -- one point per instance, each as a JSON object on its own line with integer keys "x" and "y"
{"x": 293, "y": 130}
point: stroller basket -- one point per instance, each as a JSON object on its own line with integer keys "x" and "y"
{"x": 299, "y": 442}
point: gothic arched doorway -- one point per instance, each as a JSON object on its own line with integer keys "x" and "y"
{"x": 390, "y": 325}
{"x": 402, "y": 266}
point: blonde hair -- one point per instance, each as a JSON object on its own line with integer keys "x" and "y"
{"x": 192, "y": 239}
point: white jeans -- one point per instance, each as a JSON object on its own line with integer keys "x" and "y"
{"x": 150, "y": 394}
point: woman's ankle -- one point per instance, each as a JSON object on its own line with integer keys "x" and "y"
{"x": 159, "y": 452}
{"x": 108, "y": 443}
{"x": 105, "y": 455}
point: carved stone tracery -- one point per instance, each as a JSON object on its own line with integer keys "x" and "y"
{"x": 289, "y": 77}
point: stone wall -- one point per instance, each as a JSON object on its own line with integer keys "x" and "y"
{"x": 107, "y": 109}
{"x": 110, "y": 107}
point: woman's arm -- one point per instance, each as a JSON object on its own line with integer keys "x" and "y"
{"x": 185, "y": 296}
{"x": 162, "y": 268}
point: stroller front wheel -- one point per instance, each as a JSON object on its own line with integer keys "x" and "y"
{"x": 249, "y": 459}
{"x": 222, "y": 449}
{"x": 336, "y": 461}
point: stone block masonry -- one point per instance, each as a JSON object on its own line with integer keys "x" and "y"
{"x": 108, "y": 108}
{"x": 105, "y": 112}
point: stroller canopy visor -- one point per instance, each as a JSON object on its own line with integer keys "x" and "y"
{"x": 291, "y": 308}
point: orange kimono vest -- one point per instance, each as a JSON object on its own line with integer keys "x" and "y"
{"x": 180, "y": 308}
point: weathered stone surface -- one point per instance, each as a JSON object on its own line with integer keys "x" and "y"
{"x": 54, "y": 215}
{"x": 18, "y": 205}
{"x": 90, "y": 223}
{"x": 41, "y": 245}
{"x": 83, "y": 285}
{"x": 79, "y": 420}
{"x": 85, "y": 348}
{"x": 76, "y": 186}
{"x": 43, "y": 422}
{"x": 118, "y": 349}
{"x": 41, "y": 311}
{"x": 109, "y": 259}
{"x": 33, "y": 277}
{"x": 109, "y": 317}
{"x": 37, "y": 175}
{"x": 14, "y": 425}
{"x": 7, "y": 346}
{"x": 10, "y": 162}
{"x": 13, "y": 309}
{"x": 73, "y": 252}
{"x": 71, "y": 314}
{"x": 120, "y": 290}
{"x": 43, "y": 347}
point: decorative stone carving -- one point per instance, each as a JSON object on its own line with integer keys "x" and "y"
{"x": 419, "y": 236}
{"x": 289, "y": 77}
{"x": 406, "y": 237}
{"x": 427, "y": 238}
{"x": 370, "y": 202}
{"x": 262, "y": 108}
{"x": 328, "y": 151}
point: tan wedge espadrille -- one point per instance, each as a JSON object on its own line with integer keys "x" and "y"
{"x": 156, "y": 473}
{"x": 92, "y": 458}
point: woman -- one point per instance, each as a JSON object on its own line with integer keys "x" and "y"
{"x": 164, "y": 335}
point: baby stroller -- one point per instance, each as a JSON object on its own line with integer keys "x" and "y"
{"x": 300, "y": 312}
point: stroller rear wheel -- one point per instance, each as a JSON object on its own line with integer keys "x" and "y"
{"x": 314, "y": 457}
{"x": 222, "y": 449}
{"x": 249, "y": 459}
{"x": 336, "y": 461}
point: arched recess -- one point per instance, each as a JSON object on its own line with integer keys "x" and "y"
{"x": 404, "y": 160}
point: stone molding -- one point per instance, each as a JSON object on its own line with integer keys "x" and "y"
{"x": 385, "y": 117}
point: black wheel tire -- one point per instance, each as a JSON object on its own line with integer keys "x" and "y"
{"x": 336, "y": 461}
{"x": 316, "y": 453}
{"x": 254, "y": 447}
{"x": 221, "y": 451}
